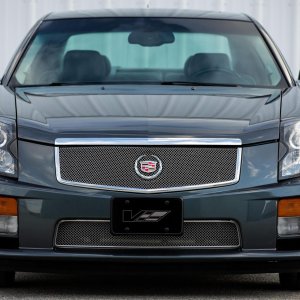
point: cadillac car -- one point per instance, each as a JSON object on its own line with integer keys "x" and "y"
{"x": 140, "y": 138}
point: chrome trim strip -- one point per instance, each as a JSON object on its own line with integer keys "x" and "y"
{"x": 148, "y": 247}
{"x": 147, "y": 142}
{"x": 280, "y": 60}
{"x": 147, "y": 191}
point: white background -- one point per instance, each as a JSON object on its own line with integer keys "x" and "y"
{"x": 281, "y": 18}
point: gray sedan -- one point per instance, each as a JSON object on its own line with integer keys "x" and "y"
{"x": 136, "y": 139}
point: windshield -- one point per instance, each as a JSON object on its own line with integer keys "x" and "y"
{"x": 147, "y": 50}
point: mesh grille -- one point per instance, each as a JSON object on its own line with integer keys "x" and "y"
{"x": 197, "y": 234}
{"x": 114, "y": 166}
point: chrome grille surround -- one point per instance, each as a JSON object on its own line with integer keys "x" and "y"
{"x": 198, "y": 234}
{"x": 210, "y": 151}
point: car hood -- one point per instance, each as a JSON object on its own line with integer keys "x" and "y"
{"x": 47, "y": 113}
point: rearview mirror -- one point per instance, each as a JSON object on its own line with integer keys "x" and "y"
{"x": 151, "y": 38}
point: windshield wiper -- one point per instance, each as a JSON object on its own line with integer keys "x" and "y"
{"x": 58, "y": 83}
{"x": 191, "y": 83}
{"x": 187, "y": 83}
{"x": 74, "y": 83}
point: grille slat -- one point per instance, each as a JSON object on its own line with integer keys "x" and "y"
{"x": 114, "y": 166}
{"x": 197, "y": 234}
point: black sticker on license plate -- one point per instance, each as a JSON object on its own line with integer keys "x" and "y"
{"x": 146, "y": 216}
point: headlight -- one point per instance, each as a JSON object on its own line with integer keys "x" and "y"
{"x": 8, "y": 162}
{"x": 289, "y": 165}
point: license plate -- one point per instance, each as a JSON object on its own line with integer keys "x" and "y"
{"x": 146, "y": 216}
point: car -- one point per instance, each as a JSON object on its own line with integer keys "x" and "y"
{"x": 137, "y": 138}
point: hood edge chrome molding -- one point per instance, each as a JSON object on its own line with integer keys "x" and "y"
{"x": 148, "y": 141}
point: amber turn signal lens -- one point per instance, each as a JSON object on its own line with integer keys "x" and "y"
{"x": 8, "y": 206}
{"x": 289, "y": 207}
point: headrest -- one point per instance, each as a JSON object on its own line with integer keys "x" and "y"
{"x": 84, "y": 66}
{"x": 201, "y": 62}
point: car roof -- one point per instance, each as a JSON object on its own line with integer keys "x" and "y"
{"x": 148, "y": 12}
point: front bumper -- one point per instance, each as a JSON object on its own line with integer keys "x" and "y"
{"x": 129, "y": 261}
{"x": 255, "y": 210}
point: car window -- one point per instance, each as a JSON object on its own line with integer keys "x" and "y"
{"x": 267, "y": 60}
{"x": 167, "y": 56}
{"x": 28, "y": 59}
{"x": 148, "y": 51}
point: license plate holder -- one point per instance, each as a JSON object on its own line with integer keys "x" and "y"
{"x": 147, "y": 216}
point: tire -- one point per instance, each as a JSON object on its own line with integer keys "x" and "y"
{"x": 7, "y": 278}
{"x": 290, "y": 281}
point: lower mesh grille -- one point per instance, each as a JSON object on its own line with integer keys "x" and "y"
{"x": 197, "y": 234}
